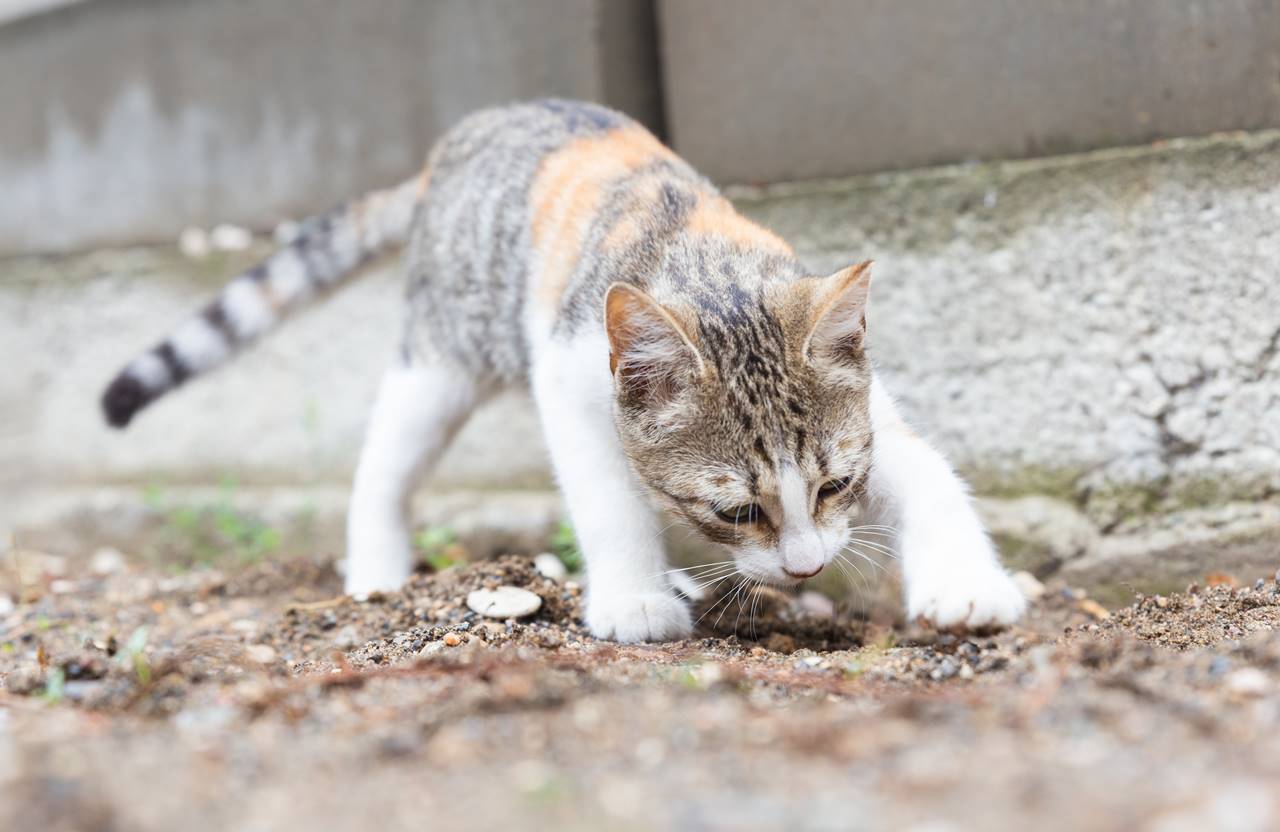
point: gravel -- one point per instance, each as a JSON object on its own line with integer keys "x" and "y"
{"x": 144, "y": 701}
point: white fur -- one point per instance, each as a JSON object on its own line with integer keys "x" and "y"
{"x": 200, "y": 345}
{"x": 628, "y": 599}
{"x": 247, "y": 308}
{"x": 150, "y": 370}
{"x": 800, "y": 546}
{"x": 287, "y": 277}
{"x": 417, "y": 412}
{"x": 951, "y": 572}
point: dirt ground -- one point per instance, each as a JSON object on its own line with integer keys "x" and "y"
{"x": 254, "y": 698}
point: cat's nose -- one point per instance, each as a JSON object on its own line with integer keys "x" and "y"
{"x": 800, "y": 575}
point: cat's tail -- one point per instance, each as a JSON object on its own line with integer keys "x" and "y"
{"x": 328, "y": 250}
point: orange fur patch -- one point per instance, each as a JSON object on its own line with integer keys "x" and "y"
{"x": 566, "y": 194}
{"x": 716, "y": 217}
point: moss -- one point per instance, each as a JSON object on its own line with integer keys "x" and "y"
{"x": 1018, "y": 553}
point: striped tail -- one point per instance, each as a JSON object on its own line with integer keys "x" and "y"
{"x": 329, "y": 249}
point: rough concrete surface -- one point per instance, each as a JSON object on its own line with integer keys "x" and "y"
{"x": 126, "y": 120}
{"x": 1099, "y": 330}
{"x": 760, "y": 91}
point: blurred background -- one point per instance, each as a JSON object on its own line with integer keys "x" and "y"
{"x": 1073, "y": 208}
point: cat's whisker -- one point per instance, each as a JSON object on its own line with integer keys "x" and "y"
{"x": 707, "y": 566}
{"x": 710, "y": 609}
{"x": 876, "y": 547}
{"x": 875, "y": 564}
{"x": 853, "y": 584}
{"x": 701, "y": 587}
{"x": 736, "y": 592}
{"x": 704, "y": 582}
{"x": 755, "y": 599}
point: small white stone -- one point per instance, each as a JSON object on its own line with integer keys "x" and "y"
{"x": 285, "y": 233}
{"x": 230, "y": 238}
{"x": 504, "y": 602}
{"x": 107, "y": 561}
{"x": 431, "y": 648}
{"x": 261, "y": 653}
{"x": 194, "y": 243}
{"x": 816, "y": 604}
{"x": 346, "y": 638}
{"x": 550, "y": 566}
{"x": 1028, "y": 585}
{"x": 6, "y": 604}
{"x": 62, "y": 586}
{"x": 1248, "y": 681}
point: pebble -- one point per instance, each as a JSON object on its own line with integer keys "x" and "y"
{"x": 346, "y": 638}
{"x": 1247, "y": 681}
{"x": 107, "y": 561}
{"x": 452, "y": 639}
{"x": 945, "y": 670}
{"x": 816, "y": 604}
{"x": 1093, "y": 608}
{"x": 966, "y": 672}
{"x": 286, "y": 232}
{"x": 62, "y": 586}
{"x": 504, "y": 602}
{"x": 245, "y": 626}
{"x": 550, "y": 566}
{"x": 431, "y": 648}
{"x": 194, "y": 243}
{"x": 1029, "y": 585}
{"x": 6, "y": 604}
{"x": 261, "y": 653}
{"x": 230, "y": 238}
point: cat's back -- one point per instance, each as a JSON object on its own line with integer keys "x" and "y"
{"x": 530, "y": 211}
{"x": 510, "y": 197}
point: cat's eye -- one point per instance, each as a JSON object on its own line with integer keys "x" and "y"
{"x": 833, "y": 487}
{"x": 741, "y": 515}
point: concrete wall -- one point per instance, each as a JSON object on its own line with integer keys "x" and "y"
{"x": 761, "y": 91}
{"x": 1093, "y": 340}
{"x": 126, "y": 120}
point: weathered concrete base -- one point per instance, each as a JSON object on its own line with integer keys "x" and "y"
{"x": 1092, "y": 339}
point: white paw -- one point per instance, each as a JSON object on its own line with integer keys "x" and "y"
{"x": 984, "y": 596}
{"x": 640, "y": 616}
{"x": 377, "y": 569}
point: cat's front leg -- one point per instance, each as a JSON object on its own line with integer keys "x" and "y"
{"x": 629, "y": 598}
{"x": 951, "y": 571}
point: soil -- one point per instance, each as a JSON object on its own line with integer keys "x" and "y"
{"x": 257, "y": 698}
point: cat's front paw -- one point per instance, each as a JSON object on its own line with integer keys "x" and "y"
{"x": 981, "y": 597}
{"x": 639, "y": 616}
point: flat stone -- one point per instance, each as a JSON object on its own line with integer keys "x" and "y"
{"x": 261, "y": 653}
{"x": 107, "y": 561}
{"x": 504, "y": 602}
{"x": 550, "y": 566}
{"x": 816, "y": 604}
{"x": 1248, "y": 682}
{"x": 1028, "y": 585}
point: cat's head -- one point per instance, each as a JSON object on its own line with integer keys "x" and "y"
{"x": 748, "y": 416}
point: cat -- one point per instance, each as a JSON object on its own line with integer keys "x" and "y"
{"x": 680, "y": 357}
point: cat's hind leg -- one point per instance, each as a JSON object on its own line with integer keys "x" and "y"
{"x": 418, "y": 410}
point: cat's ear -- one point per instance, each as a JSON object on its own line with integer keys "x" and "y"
{"x": 650, "y": 355}
{"x": 838, "y": 315}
